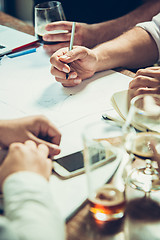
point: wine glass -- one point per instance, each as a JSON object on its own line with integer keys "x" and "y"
{"x": 142, "y": 133}
{"x": 45, "y": 13}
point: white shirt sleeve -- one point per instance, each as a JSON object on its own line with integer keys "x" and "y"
{"x": 30, "y": 209}
{"x": 153, "y": 27}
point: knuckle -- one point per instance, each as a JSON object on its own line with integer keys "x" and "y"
{"x": 64, "y": 24}
{"x": 140, "y": 91}
{"x": 138, "y": 78}
{"x": 140, "y": 71}
{"x": 15, "y": 146}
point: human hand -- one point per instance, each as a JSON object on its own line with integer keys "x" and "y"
{"x": 26, "y": 157}
{"x": 84, "y": 35}
{"x": 146, "y": 81}
{"x": 82, "y": 65}
{"x": 36, "y": 128}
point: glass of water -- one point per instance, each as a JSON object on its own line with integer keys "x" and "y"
{"x": 103, "y": 143}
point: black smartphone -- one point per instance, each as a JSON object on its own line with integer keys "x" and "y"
{"x": 73, "y": 164}
{"x": 70, "y": 165}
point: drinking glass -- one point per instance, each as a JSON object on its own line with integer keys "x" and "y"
{"x": 102, "y": 155}
{"x": 144, "y": 114}
{"x": 45, "y": 13}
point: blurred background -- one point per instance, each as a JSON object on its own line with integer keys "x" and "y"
{"x": 22, "y": 9}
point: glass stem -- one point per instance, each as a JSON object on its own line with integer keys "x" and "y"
{"x": 147, "y": 195}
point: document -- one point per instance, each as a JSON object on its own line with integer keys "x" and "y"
{"x": 28, "y": 88}
{"x": 12, "y": 40}
{"x": 120, "y": 103}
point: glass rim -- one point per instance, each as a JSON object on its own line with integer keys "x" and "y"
{"x": 133, "y": 101}
{"x": 106, "y": 123}
{"x": 38, "y": 6}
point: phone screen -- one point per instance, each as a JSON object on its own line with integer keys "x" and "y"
{"x": 72, "y": 162}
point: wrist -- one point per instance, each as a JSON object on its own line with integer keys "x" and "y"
{"x": 104, "y": 57}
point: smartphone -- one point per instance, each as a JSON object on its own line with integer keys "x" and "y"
{"x": 70, "y": 165}
{"x": 73, "y": 164}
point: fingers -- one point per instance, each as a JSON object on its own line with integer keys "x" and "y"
{"x": 150, "y": 72}
{"x": 57, "y": 63}
{"x": 59, "y": 70}
{"x": 66, "y": 56}
{"x": 42, "y": 148}
{"x": 147, "y": 91}
{"x": 59, "y": 67}
{"x": 43, "y": 129}
{"x": 50, "y": 49}
{"x": 59, "y": 37}
{"x": 53, "y": 148}
{"x": 144, "y": 81}
{"x": 69, "y": 82}
{"x": 56, "y": 28}
{"x": 30, "y": 144}
{"x": 77, "y": 53}
{"x": 60, "y": 25}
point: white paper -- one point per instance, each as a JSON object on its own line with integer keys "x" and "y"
{"x": 28, "y": 88}
{"x": 12, "y": 38}
{"x": 27, "y": 85}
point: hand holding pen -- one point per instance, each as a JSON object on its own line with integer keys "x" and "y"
{"x": 73, "y": 66}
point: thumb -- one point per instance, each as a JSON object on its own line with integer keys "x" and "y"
{"x": 77, "y": 53}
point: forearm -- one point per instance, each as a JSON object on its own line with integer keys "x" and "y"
{"x": 111, "y": 29}
{"x": 30, "y": 208}
{"x": 135, "y": 48}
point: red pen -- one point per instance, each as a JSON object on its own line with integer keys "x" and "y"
{"x": 18, "y": 48}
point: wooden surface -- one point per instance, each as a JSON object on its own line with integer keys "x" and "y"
{"x": 15, "y": 23}
{"x": 81, "y": 226}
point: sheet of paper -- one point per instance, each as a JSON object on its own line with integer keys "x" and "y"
{"x": 28, "y": 88}
{"x": 27, "y": 85}
{"x": 12, "y": 38}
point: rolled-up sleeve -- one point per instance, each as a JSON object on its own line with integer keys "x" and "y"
{"x": 30, "y": 208}
{"x": 153, "y": 27}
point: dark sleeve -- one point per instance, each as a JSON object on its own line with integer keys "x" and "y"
{"x": 89, "y": 11}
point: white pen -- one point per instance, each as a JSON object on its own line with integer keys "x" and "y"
{"x": 71, "y": 41}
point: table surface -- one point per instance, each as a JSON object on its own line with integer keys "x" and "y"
{"x": 81, "y": 226}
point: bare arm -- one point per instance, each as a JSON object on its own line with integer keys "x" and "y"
{"x": 133, "y": 49}
{"x": 89, "y": 35}
{"x": 111, "y": 29}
